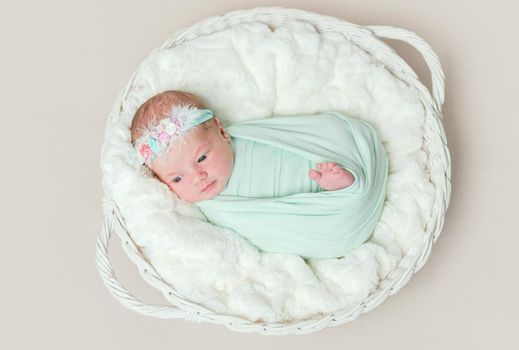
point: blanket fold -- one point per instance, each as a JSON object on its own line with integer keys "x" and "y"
{"x": 271, "y": 201}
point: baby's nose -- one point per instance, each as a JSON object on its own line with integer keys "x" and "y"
{"x": 202, "y": 175}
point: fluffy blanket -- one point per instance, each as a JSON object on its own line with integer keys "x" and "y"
{"x": 250, "y": 72}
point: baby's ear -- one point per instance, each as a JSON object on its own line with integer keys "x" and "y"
{"x": 218, "y": 122}
{"x": 222, "y": 130}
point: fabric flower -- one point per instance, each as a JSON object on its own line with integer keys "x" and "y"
{"x": 164, "y": 138}
{"x": 178, "y": 122}
{"x": 160, "y": 128}
{"x": 154, "y": 145}
{"x": 145, "y": 151}
{"x": 171, "y": 129}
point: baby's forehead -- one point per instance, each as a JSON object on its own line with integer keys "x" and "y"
{"x": 194, "y": 138}
{"x": 190, "y": 144}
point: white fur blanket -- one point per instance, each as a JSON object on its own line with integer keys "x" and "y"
{"x": 250, "y": 72}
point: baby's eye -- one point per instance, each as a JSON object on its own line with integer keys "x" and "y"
{"x": 177, "y": 179}
{"x": 202, "y": 158}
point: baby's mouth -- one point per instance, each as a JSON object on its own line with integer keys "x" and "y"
{"x": 209, "y": 187}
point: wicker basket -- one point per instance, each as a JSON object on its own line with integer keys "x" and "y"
{"x": 435, "y": 146}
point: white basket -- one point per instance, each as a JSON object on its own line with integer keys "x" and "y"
{"x": 434, "y": 145}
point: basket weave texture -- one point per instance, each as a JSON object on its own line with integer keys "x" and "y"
{"x": 434, "y": 145}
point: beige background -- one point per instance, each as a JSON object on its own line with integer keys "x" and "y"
{"x": 64, "y": 62}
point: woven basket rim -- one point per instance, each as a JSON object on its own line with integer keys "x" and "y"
{"x": 367, "y": 39}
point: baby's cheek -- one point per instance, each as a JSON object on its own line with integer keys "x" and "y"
{"x": 177, "y": 192}
{"x": 175, "y": 188}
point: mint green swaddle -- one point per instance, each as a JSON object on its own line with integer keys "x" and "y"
{"x": 270, "y": 200}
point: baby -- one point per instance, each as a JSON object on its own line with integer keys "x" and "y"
{"x": 199, "y": 166}
{"x": 279, "y": 182}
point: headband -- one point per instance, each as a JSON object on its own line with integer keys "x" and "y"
{"x": 157, "y": 138}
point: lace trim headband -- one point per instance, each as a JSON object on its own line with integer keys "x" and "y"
{"x": 157, "y": 138}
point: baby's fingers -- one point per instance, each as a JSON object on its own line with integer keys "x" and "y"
{"x": 314, "y": 175}
{"x": 330, "y": 165}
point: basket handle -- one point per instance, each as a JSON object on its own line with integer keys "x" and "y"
{"x": 118, "y": 291}
{"x": 438, "y": 85}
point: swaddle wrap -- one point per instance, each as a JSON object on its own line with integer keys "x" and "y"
{"x": 289, "y": 213}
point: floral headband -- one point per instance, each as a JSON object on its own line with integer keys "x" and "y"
{"x": 157, "y": 138}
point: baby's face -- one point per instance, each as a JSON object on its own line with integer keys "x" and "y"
{"x": 199, "y": 168}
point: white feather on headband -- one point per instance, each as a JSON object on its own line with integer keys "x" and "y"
{"x": 158, "y": 137}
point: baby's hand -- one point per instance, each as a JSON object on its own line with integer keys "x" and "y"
{"x": 330, "y": 176}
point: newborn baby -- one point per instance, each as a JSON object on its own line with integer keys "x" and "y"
{"x": 198, "y": 168}
{"x": 251, "y": 177}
